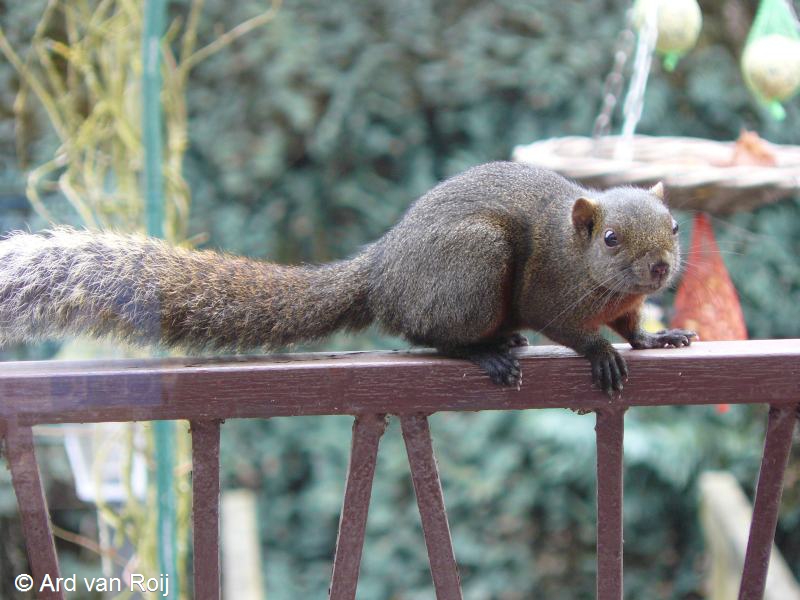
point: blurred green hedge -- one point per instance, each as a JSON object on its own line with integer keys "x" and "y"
{"x": 310, "y": 137}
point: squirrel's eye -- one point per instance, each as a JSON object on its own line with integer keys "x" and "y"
{"x": 674, "y": 227}
{"x": 610, "y": 238}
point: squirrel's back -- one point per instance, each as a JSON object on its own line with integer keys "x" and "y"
{"x": 501, "y": 185}
{"x": 450, "y": 269}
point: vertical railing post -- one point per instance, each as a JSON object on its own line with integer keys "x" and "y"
{"x": 205, "y": 509}
{"x": 33, "y": 511}
{"x": 777, "y": 446}
{"x": 367, "y": 432}
{"x": 610, "y": 429}
{"x": 435, "y": 528}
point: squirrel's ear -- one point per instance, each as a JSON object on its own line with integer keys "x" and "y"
{"x": 658, "y": 190}
{"x": 584, "y": 212}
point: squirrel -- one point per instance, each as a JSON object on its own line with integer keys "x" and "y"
{"x": 499, "y": 248}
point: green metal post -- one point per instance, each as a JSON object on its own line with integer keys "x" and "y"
{"x": 154, "y": 20}
{"x": 164, "y": 431}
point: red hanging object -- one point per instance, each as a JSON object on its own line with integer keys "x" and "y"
{"x": 706, "y": 301}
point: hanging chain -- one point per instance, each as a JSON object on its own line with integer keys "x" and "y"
{"x": 634, "y": 100}
{"x": 612, "y": 87}
{"x": 790, "y": 6}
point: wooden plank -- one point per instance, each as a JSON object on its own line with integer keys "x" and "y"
{"x": 367, "y": 432}
{"x": 777, "y": 446}
{"x": 610, "y": 430}
{"x": 205, "y": 508}
{"x": 242, "y": 560}
{"x": 393, "y": 383}
{"x": 425, "y": 476}
{"x": 725, "y": 515}
{"x": 33, "y": 511}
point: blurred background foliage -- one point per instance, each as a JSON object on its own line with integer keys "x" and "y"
{"x": 309, "y": 138}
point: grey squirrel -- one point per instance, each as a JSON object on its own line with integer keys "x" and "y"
{"x": 496, "y": 249}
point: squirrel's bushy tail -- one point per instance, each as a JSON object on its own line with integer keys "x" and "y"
{"x": 65, "y": 282}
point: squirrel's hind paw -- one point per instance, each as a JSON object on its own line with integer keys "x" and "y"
{"x": 502, "y": 368}
{"x": 496, "y": 361}
{"x": 515, "y": 340}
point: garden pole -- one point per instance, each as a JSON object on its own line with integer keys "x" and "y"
{"x": 164, "y": 431}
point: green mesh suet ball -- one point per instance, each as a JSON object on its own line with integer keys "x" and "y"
{"x": 771, "y": 56}
{"x": 678, "y": 24}
{"x": 771, "y": 66}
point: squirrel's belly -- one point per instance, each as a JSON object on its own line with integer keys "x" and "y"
{"x": 613, "y": 310}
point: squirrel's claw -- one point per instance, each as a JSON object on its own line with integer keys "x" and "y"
{"x": 498, "y": 363}
{"x": 516, "y": 340}
{"x": 666, "y": 338}
{"x": 676, "y": 338}
{"x": 494, "y": 358}
{"x": 608, "y": 369}
{"x": 502, "y": 368}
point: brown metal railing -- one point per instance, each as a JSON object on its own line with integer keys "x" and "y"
{"x": 370, "y": 386}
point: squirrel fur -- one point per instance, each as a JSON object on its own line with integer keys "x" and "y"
{"x": 499, "y": 248}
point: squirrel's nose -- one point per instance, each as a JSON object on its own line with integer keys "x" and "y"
{"x": 659, "y": 270}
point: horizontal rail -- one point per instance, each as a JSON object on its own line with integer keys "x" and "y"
{"x": 763, "y": 371}
{"x": 411, "y": 385}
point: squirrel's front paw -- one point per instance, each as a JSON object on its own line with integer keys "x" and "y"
{"x": 608, "y": 368}
{"x": 675, "y": 338}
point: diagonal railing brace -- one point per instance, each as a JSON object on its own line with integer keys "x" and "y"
{"x": 32, "y": 504}
{"x": 367, "y": 432}
{"x": 777, "y": 446}
{"x": 425, "y": 475}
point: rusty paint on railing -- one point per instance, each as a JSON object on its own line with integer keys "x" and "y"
{"x": 411, "y": 385}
